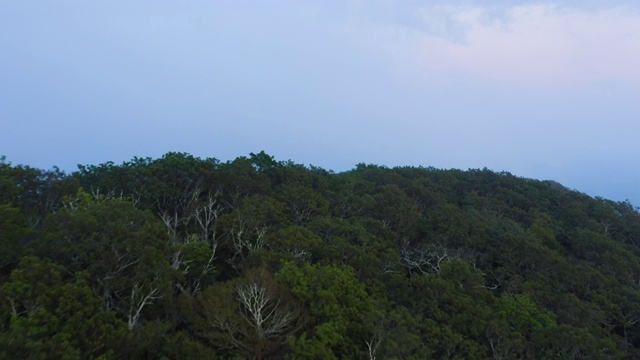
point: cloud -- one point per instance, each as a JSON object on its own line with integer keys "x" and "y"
{"x": 539, "y": 44}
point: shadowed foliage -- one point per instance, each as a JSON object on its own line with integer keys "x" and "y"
{"x": 181, "y": 257}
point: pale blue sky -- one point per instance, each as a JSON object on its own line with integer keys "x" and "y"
{"x": 540, "y": 89}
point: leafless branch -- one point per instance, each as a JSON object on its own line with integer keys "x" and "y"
{"x": 426, "y": 259}
{"x": 138, "y": 301}
{"x": 262, "y": 312}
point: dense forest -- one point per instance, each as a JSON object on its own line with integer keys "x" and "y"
{"x": 189, "y": 258}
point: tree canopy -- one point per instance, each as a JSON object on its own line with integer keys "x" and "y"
{"x": 181, "y": 257}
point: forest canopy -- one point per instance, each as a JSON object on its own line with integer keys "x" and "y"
{"x": 187, "y": 258}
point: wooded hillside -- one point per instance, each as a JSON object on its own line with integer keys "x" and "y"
{"x": 189, "y": 258}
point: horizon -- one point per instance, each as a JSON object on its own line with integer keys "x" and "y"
{"x": 542, "y": 90}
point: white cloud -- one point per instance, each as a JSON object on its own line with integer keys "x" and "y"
{"x": 540, "y": 44}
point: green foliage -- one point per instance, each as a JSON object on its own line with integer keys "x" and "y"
{"x": 47, "y": 317}
{"x": 339, "y": 307}
{"x": 12, "y": 232}
{"x": 35, "y": 192}
{"x": 123, "y": 249}
{"x": 250, "y": 315}
{"x": 182, "y": 346}
{"x": 182, "y": 257}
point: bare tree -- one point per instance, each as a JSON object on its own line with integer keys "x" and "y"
{"x": 427, "y": 259}
{"x": 206, "y": 215}
{"x": 372, "y": 346}
{"x": 300, "y": 254}
{"x": 495, "y": 343}
{"x": 262, "y": 312}
{"x": 255, "y": 319}
{"x": 138, "y": 300}
{"x": 246, "y": 236}
{"x": 191, "y": 212}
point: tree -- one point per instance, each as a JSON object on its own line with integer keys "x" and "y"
{"x": 339, "y": 307}
{"x": 45, "y": 316}
{"x": 124, "y": 250}
{"x": 251, "y": 315}
{"x": 12, "y": 231}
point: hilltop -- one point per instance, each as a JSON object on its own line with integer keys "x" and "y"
{"x": 183, "y": 257}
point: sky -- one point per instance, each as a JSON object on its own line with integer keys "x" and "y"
{"x": 544, "y": 90}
